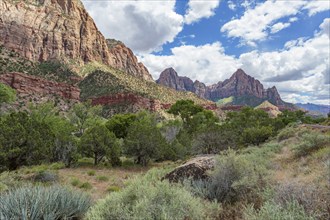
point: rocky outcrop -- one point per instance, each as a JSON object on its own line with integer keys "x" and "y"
{"x": 196, "y": 168}
{"x": 27, "y": 84}
{"x": 41, "y": 30}
{"x": 129, "y": 99}
{"x": 124, "y": 59}
{"x": 272, "y": 110}
{"x": 238, "y": 85}
{"x": 169, "y": 77}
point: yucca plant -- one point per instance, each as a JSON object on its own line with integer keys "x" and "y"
{"x": 41, "y": 203}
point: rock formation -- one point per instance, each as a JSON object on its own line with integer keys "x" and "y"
{"x": 41, "y": 30}
{"x": 196, "y": 168}
{"x": 238, "y": 85}
{"x": 29, "y": 85}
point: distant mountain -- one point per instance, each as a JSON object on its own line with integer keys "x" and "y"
{"x": 244, "y": 89}
{"x": 322, "y": 109}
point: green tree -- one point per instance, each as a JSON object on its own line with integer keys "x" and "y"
{"x": 185, "y": 109}
{"x": 83, "y": 115}
{"x": 119, "y": 124}
{"x": 256, "y": 135}
{"x": 23, "y": 140}
{"x": 7, "y": 94}
{"x": 144, "y": 140}
{"x": 64, "y": 147}
{"x": 98, "y": 142}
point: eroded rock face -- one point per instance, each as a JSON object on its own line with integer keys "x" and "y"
{"x": 27, "y": 84}
{"x": 169, "y": 77}
{"x": 196, "y": 168}
{"x": 238, "y": 85}
{"x": 124, "y": 59}
{"x": 41, "y": 30}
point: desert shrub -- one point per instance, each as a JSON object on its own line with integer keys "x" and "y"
{"x": 46, "y": 177}
{"x": 91, "y": 173}
{"x": 148, "y": 198}
{"x": 286, "y": 133}
{"x": 311, "y": 142}
{"x": 7, "y": 94}
{"x": 312, "y": 198}
{"x": 234, "y": 178}
{"x": 273, "y": 211}
{"x": 113, "y": 189}
{"x": 38, "y": 202}
{"x": 75, "y": 182}
{"x": 102, "y": 178}
{"x": 86, "y": 186}
{"x": 3, "y": 187}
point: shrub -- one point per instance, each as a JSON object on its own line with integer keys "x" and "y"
{"x": 272, "y": 211}
{"x": 75, "y": 182}
{"x": 286, "y": 133}
{"x": 311, "y": 142}
{"x": 86, "y": 186}
{"x": 113, "y": 189}
{"x": 46, "y": 177}
{"x": 102, "y": 178}
{"x": 148, "y": 198}
{"x": 313, "y": 199}
{"x": 91, "y": 173}
{"x": 234, "y": 178}
{"x": 39, "y": 202}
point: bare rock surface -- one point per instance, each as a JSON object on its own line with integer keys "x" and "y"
{"x": 42, "y": 30}
{"x": 196, "y": 168}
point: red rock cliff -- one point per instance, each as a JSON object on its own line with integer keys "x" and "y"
{"x": 26, "y": 84}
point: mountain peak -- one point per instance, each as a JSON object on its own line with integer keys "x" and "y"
{"x": 61, "y": 30}
{"x": 239, "y": 84}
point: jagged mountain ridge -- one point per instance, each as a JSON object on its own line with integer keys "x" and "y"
{"x": 43, "y": 30}
{"x": 238, "y": 85}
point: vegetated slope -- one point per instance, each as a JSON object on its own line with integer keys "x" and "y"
{"x": 102, "y": 80}
{"x": 244, "y": 89}
{"x": 11, "y": 61}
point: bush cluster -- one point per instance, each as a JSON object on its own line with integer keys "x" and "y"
{"x": 38, "y": 202}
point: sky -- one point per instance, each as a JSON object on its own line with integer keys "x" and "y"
{"x": 285, "y": 43}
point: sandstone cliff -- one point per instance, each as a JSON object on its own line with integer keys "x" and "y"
{"x": 238, "y": 85}
{"x": 41, "y": 30}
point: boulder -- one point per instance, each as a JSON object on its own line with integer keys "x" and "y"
{"x": 196, "y": 168}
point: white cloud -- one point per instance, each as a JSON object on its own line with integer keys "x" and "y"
{"x": 258, "y": 22}
{"x": 206, "y": 63}
{"x": 144, "y": 26}
{"x": 231, "y": 5}
{"x": 315, "y": 7}
{"x": 293, "y": 19}
{"x": 279, "y": 26}
{"x": 200, "y": 9}
{"x": 300, "y": 70}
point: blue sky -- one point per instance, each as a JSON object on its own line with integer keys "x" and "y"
{"x": 280, "y": 42}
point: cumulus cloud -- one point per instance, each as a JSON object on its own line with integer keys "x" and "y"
{"x": 279, "y": 26}
{"x": 315, "y": 7}
{"x": 207, "y": 63}
{"x": 144, "y": 26}
{"x": 258, "y": 22}
{"x": 300, "y": 70}
{"x": 200, "y": 9}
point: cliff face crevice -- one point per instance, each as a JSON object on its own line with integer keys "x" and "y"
{"x": 42, "y": 30}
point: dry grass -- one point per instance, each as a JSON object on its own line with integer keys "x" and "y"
{"x": 116, "y": 176}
